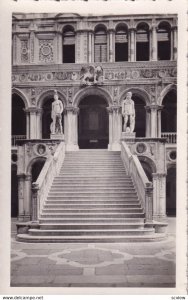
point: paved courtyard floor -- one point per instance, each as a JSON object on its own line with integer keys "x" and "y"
{"x": 95, "y": 264}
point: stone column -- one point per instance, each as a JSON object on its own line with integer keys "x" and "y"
{"x": 21, "y": 197}
{"x": 75, "y": 126}
{"x": 116, "y": 128}
{"x": 154, "y": 125}
{"x": 159, "y": 197}
{"x": 33, "y": 123}
{"x": 27, "y": 200}
{"x": 111, "y": 45}
{"x": 175, "y": 42}
{"x": 71, "y": 116}
{"x": 32, "y": 46}
{"x": 59, "y": 42}
{"x": 154, "y": 43}
{"x": 132, "y": 44}
{"x": 90, "y": 46}
{"x": 159, "y": 120}
{"x": 39, "y": 123}
{"x": 14, "y": 49}
{"x": 109, "y": 109}
{"x": 27, "y": 125}
{"x": 148, "y": 121}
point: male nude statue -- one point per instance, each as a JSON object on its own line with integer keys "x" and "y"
{"x": 128, "y": 113}
{"x": 57, "y": 109}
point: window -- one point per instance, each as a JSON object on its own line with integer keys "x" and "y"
{"x": 68, "y": 45}
{"x": 100, "y": 45}
{"x": 121, "y": 44}
{"x": 164, "y": 41}
{"x": 142, "y": 42}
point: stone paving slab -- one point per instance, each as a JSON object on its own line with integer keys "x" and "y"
{"x": 94, "y": 264}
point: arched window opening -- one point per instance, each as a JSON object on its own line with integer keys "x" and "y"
{"x": 171, "y": 191}
{"x": 164, "y": 41}
{"x": 18, "y": 119}
{"x": 68, "y": 45}
{"x": 142, "y": 42}
{"x": 121, "y": 44}
{"x": 169, "y": 112}
{"x": 37, "y": 168}
{"x": 100, "y": 45}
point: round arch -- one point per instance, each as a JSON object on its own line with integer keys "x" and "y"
{"x": 92, "y": 91}
{"x": 21, "y": 95}
{"x": 141, "y": 23}
{"x": 50, "y": 93}
{"x": 164, "y": 23}
{"x": 100, "y": 26}
{"x": 138, "y": 92}
{"x": 68, "y": 27}
{"x": 32, "y": 162}
{"x": 166, "y": 90}
{"x": 149, "y": 162}
{"x": 121, "y": 25}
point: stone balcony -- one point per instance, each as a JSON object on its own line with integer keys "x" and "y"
{"x": 113, "y": 73}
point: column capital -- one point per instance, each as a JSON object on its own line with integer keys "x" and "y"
{"x": 33, "y": 110}
{"x": 174, "y": 27}
{"x": 154, "y": 107}
{"x": 73, "y": 109}
{"x": 132, "y": 29}
{"x": 28, "y": 177}
{"x": 112, "y": 30}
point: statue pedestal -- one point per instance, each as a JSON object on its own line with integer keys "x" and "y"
{"x": 128, "y": 135}
{"x": 57, "y": 136}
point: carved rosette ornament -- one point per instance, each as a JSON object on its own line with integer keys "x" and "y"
{"x": 46, "y": 50}
{"x": 24, "y": 51}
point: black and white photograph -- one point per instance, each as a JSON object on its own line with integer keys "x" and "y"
{"x": 94, "y": 191}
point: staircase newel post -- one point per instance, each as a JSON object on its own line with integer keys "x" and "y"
{"x": 35, "y": 202}
{"x": 149, "y": 202}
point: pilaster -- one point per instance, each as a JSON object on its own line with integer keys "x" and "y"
{"x": 132, "y": 33}
{"x": 71, "y": 128}
{"x": 159, "y": 196}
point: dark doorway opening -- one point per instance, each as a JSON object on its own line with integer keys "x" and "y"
{"x": 18, "y": 116}
{"x": 121, "y": 50}
{"x": 93, "y": 123}
{"x": 171, "y": 191}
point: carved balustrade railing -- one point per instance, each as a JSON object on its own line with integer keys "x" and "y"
{"x": 170, "y": 137}
{"x": 15, "y": 138}
{"x": 41, "y": 187}
{"x": 143, "y": 186}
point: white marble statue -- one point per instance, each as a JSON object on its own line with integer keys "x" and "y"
{"x": 128, "y": 113}
{"x": 57, "y": 109}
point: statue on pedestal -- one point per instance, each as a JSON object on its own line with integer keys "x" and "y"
{"x": 57, "y": 109}
{"x": 128, "y": 113}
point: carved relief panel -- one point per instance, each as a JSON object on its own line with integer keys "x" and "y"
{"x": 46, "y": 51}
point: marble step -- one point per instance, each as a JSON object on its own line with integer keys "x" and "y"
{"x": 77, "y": 204}
{"x": 85, "y": 232}
{"x": 98, "y": 192}
{"x": 96, "y": 210}
{"x": 92, "y": 214}
{"x": 93, "y": 202}
{"x": 91, "y": 239}
{"x": 91, "y": 220}
{"x": 91, "y": 226}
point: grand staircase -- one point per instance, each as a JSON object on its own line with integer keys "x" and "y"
{"x": 91, "y": 200}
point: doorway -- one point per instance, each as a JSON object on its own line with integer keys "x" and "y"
{"x": 93, "y": 129}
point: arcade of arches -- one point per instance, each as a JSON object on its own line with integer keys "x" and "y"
{"x": 95, "y": 124}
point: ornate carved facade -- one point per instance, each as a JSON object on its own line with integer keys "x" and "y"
{"x": 93, "y": 62}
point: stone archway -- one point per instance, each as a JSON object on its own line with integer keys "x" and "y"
{"x": 93, "y": 129}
